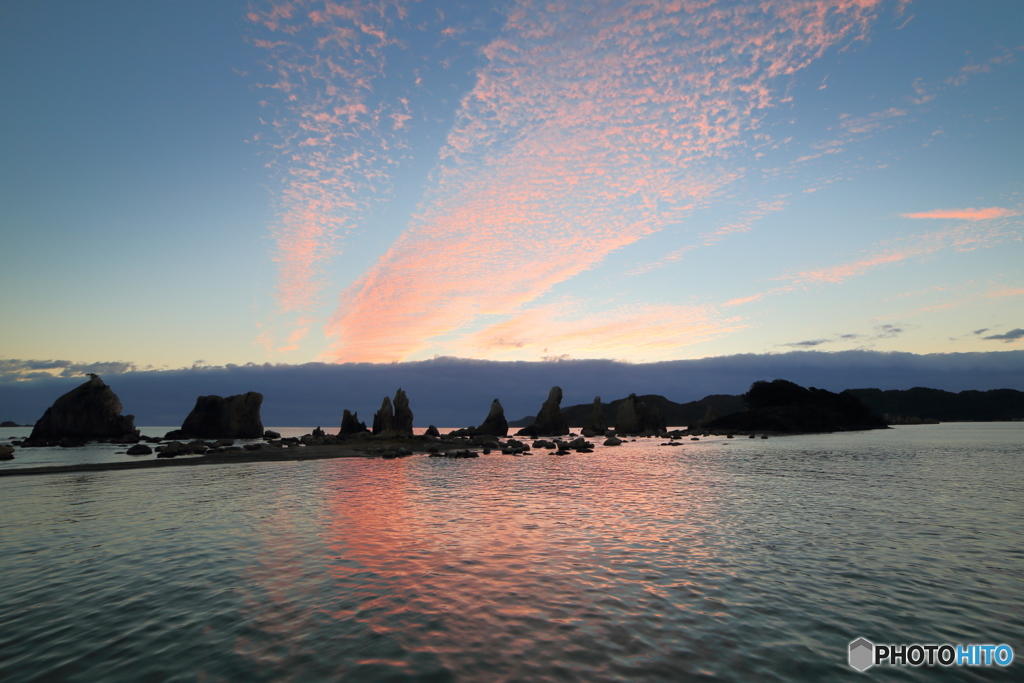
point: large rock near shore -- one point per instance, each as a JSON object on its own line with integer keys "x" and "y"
{"x": 89, "y": 411}
{"x": 350, "y": 424}
{"x": 596, "y": 422}
{"x": 495, "y": 424}
{"x": 627, "y": 420}
{"x": 403, "y": 414}
{"x": 393, "y": 420}
{"x": 384, "y": 419}
{"x": 634, "y": 417}
{"x": 234, "y": 417}
{"x": 550, "y": 421}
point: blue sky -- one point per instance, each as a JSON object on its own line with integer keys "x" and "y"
{"x": 247, "y": 182}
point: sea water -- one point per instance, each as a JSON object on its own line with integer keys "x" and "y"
{"x": 721, "y": 559}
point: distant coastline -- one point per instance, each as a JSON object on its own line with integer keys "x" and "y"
{"x": 919, "y": 405}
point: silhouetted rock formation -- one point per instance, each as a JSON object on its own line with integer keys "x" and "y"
{"x": 627, "y": 421}
{"x": 495, "y": 424}
{"x": 8, "y": 423}
{"x": 431, "y": 431}
{"x": 396, "y": 421}
{"x": 384, "y": 419}
{"x": 653, "y": 420}
{"x": 234, "y": 417}
{"x": 350, "y": 424}
{"x": 635, "y": 417}
{"x": 403, "y": 415}
{"x": 596, "y": 423}
{"x": 549, "y": 420}
{"x": 89, "y": 411}
{"x": 708, "y": 418}
{"x": 782, "y": 406}
{"x": 6, "y": 452}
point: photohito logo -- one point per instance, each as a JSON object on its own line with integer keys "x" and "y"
{"x": 864, "y": 654}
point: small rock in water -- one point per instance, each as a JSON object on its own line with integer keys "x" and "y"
{"x": 462, "y": 453}
{"x": 6, "y": 452}
{"x": 140, "y": 449}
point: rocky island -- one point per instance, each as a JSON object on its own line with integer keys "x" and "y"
{"x": 783, "y": 407}
{"x": 89, "y": 411}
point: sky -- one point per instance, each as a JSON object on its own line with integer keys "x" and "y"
{"x": 196, "y": 183}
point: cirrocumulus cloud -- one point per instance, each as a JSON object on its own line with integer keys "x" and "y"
{"x": 590, "y": 127}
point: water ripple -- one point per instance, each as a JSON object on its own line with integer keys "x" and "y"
{"x": 736, "y": 561}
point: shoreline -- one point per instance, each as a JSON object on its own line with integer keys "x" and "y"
{"x": 306, "y": 453}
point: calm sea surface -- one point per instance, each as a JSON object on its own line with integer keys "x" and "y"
{"x": 734, "y": 560}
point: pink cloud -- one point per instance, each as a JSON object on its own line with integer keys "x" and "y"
{"x": 330, "y": 149}
{"x": 590, "y": 128}
{"x": 743, "y": 300}
{"x": 1005, "y": 292}
{"x": 965, "y": 214}
{"x": 871, "y": 123}
{"x": 746, "y": 223}
{"x": 963, "y": 238}
{"x": 641, "y": 333}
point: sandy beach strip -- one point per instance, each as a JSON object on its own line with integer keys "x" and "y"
{"x": 263, "y": 455}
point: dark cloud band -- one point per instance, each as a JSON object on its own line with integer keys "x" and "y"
{"x": 456, "y": 392}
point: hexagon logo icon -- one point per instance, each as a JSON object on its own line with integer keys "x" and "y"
{"x": 862, "y": 654}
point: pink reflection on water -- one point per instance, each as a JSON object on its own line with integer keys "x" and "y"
{"x": 528, "y": 556}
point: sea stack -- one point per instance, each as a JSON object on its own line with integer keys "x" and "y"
{"x": 214, "y": 417}
{"x": 495, "y": 424}
{"x": 403, "y": 415}
{"x": 394, "y": 421}
{"x": 627, "y": 420}
{"x": 384, "y": 419}
{"x": 89, "y": 411}
{"x": 710, "y": 416}
{"x": 550, "y": 421}
{"x": 596, "y": 424}
{"x": 350, "y": 424}
{"x": 634, "y": 417}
